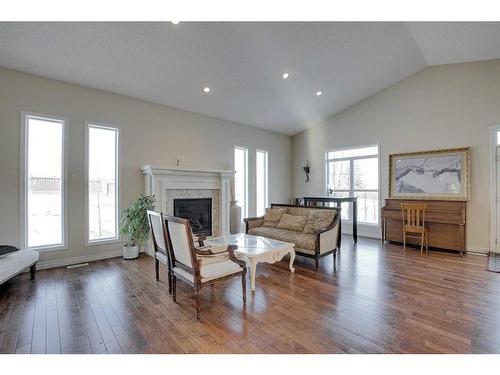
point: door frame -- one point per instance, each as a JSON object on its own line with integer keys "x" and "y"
{"x": 493, "y": 187}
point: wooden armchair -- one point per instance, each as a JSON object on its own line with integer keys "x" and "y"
{"x": 414, "y": 224}
{"x": 202, "y": 265}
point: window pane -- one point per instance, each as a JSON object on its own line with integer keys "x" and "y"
{"x": 261, "y": 182}
{"x": 45, "y": 182}
{"x": 367, "y": 206}
{"x": 240, "y": 179}
{"x": 346, "y": 206}
{"x": 338, "y": 175}
{"x": 366, "y": 174}
{"x": 102, "y": 146}
{"x": 362, "y": 151}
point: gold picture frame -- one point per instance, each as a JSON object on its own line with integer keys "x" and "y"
{"x": 439, "y": 175}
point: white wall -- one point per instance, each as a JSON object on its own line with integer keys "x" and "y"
{"x": 151, "y": 134}
{"x": 438, "y": 107}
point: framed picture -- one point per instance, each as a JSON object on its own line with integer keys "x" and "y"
{"x": 441, "y": 174}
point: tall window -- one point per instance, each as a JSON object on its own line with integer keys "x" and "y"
{"x": 354, "y": 172}
{"x": 261, "y": 181}
{"x": 102, "y": 183}
{"x": 44, "y": 182}
{"x": 241, "y": 179}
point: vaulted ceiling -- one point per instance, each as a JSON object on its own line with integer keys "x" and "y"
{"x": 243, "y": 63}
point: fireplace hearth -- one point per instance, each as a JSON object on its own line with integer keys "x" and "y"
{"x": 198, "y": 211}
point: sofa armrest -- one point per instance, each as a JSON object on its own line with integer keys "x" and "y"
{"x": 329, "y": 238}
{"x": 253, "y": 222}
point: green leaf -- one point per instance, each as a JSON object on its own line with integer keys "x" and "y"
{"x": 134, "y": 225}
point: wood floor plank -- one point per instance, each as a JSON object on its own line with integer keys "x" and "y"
{"x": 53, "y": 339}
{"x": 377, "y": 299}
{"x": 39, "y": 338}
{"x": 91, "y": 328}
{"x": 66, "y": 334}
{"x": 25, "y": 334}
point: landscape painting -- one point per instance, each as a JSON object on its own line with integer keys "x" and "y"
{"x": 442, "y": 174}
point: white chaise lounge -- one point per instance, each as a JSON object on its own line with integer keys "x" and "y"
{"x": 14, "y": 263}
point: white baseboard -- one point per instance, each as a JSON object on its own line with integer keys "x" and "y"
{"x": 374, "y": 232}
{"x": 478, "y": 250}
{"x": 119, "y": 252}
{"x": 363, "y": 230}
{"x": 81, "y": 259}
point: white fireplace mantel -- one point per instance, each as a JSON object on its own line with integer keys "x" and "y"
{"x": 158, "y": 179}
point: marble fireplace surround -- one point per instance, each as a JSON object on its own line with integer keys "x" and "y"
{"x": 179, "y": 182}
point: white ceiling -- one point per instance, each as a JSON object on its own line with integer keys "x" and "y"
{"x": 243, "y": 62}
{"x": 457, "y": 42}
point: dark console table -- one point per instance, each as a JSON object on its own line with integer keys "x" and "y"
{"x": 320, "y": 201}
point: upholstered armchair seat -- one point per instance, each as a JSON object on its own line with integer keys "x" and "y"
{"x": 211, "y": 268}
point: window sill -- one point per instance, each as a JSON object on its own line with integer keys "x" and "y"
{"x": 45, "y": 249}
{"x": 103, "y": 242}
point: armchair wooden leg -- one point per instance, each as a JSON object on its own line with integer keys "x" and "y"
{"x": 169, "y": 281}
{"x": 197, "y": 299}
{"x": 157, "y": 269}
{"x": 174, "y": 288}
{"x": 32, "y": 271}
{"x": 422, "y": 243}
{"x": 244, "y": 286}
{"x": 316, "y": 261}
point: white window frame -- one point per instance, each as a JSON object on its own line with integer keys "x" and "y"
{"x": 243, "y": 214}
{"x": 117, "y": 129}
{"x": 266, "y": 178}
{"x": 25, "y": 115}
{"x": 493, "y": 130}
{"x": 351, "y": 177}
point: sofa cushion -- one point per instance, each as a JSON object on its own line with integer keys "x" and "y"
{"x": 300, "y": 211}
{"x": 292, "y": 222}
{"x": 301, "y": 240}
{"x": 318, "y": 220}
{"x": 273, "y": 216}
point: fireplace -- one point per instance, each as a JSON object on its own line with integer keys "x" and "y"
{"x": 172, "y": 183}
{"x": 198, "y": 211}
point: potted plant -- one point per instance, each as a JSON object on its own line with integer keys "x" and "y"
{"x": 134, "y": 226}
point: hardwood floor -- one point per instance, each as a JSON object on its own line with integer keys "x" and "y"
{"x": 377, "y": 300}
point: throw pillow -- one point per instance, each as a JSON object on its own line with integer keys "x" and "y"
{"x": 318, "y": 220}
{"x": 292, "y": 222}
{"x": 7, "y": 249}
{"x": 273, "y": 216}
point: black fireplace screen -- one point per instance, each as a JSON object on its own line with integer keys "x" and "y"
{"x": 198, "y": 211}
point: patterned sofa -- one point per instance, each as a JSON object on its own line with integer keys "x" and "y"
{"x": 315, "y": 231}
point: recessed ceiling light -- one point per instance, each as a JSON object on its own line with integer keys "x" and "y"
{"x": 175, "y": 22}
{"x": 285, "y": 75}
{"x": 206, "y": 89}
{"x": 319, "y": 93}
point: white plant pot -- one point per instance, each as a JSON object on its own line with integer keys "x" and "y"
{"x": 130, "y": 252}
{"x": 235, "y": 218}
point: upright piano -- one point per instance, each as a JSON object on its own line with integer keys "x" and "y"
{"x": 446, "y": 221}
